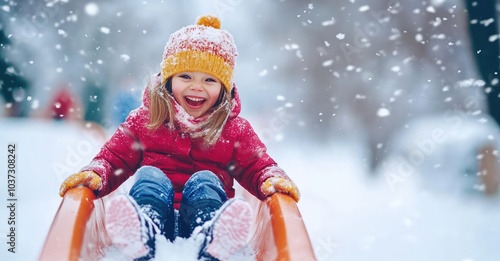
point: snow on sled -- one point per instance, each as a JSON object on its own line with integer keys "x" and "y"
{"x": 77, "y": 231}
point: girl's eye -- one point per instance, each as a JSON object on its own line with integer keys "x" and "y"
{"x": 184, "y": 76}
{"x": 211, "y": 80}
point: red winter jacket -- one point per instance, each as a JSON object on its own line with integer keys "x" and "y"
{"x": 238, "y": 154}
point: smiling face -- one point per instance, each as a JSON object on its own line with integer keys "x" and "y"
{"x": 196, "y": 92}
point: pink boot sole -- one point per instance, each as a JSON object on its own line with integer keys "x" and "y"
{"x": 124, "y": 227}
{"x": 230, "y": 230}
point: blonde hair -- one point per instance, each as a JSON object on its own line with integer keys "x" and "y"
{"x": 162, "y": 110}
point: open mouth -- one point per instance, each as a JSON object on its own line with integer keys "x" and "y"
{"x": 194, "y": 101}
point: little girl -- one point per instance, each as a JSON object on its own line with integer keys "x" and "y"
{"x": 186, "y": 145}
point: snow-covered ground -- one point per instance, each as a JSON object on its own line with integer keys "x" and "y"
{"x": 350, "y": 213}
{"x": 46, "y": 153}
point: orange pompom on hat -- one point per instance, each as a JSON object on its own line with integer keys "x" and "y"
{"x": 203, "y": 47}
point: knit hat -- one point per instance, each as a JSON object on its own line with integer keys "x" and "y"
{"x": 203, "y": 47}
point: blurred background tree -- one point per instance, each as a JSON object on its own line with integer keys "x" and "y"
{"x": 13, "y": 85}
{"x": 483, "y": 30}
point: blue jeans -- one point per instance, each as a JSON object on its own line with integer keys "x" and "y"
{"x": 202, "y": 195}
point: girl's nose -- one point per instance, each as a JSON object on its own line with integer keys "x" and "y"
{"x": 196, "y": 86}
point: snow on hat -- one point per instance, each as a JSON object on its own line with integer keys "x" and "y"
{"x": 203, "y": 47}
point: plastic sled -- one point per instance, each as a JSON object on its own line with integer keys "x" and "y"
{"x": 77, "y": 231}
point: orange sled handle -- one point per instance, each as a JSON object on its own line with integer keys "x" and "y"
{"x": 65, "y": 236}
{"x": 280, "y": 230}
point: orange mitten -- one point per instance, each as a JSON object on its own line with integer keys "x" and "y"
{"x": 281, "y": 185}
{"x": 86, "y": 178}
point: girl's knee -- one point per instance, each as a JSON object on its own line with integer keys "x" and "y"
{"x": 204, "y": 184}
{"x": 152, "y": 174}
{"x": 203, "y": 176}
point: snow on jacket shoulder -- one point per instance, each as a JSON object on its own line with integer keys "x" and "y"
{"x": 237, "y": 155}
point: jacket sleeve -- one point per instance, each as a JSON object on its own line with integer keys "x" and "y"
{"x": 251, "y": 164}
{"x": 119, "y": 157}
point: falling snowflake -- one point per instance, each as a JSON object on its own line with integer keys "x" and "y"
{"x": 125, "y": 57}
{"x": 62, "y": 32}
{"x": 383, "y": 112}
{"x": 431, "y": 9}
{"x": 493, "y": 38}
{"x": 291, "y": 46}
{"x": 327, "y": 63}
{"x": 105, "y": 30}
{"x": 419, "y": 37}
{"x": 364, "y": 8}
{"x": 35, "y": 104}
{"x": 91, "y": 9}
{"x": 329, "y": 22}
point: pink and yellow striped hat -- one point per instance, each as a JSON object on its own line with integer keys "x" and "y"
{"x": 203, "y": 47}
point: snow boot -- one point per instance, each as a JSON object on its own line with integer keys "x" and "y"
{"x": 131, "y": 231}
{"x": 227, "y": 232}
